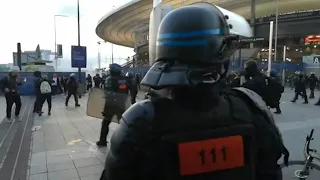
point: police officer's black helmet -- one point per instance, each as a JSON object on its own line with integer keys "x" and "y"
{"x": 115, "y": 69}
{"x": 251, "y": 64}
{"x": 193, "y": 41}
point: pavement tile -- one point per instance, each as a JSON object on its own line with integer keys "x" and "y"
{"x": 90, "y": 170}
{"x": 60, "y": 166}
{"x": 82, "y": 155}
{"x": 91, "y": 177}
{"x": 86, "y": 162}
{"x": 58, "y": 152}
{"x": 38, "y": 161}
{"x": 38, "y": 147}
{"x": 43, "y": 176}
{"x": 58, "y": 159}
{"x": 38, "y": 169}
{"x": 69, "y": 174}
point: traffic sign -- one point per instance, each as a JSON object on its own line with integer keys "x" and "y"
{"x": 78, "y": 56}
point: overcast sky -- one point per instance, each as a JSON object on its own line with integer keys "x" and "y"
{"x": 31, "y": 22}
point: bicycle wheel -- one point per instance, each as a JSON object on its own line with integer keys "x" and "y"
{"x": 298, "y": 162}
{"x": 294, "y": 170}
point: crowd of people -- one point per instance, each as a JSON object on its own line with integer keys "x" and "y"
{"x": 44, "y": 88}
{"x": 132, "y": 79}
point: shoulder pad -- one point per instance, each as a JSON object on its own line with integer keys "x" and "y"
{"x": 256, "y": 98}
{"x": 141, "y": 110}
{"x": 257, "y": 101}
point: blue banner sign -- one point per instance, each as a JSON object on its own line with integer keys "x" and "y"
{"x": 78, "y": 56}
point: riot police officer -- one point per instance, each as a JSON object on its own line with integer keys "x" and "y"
{"x": 255, "y": 80}
{"x": 275, "y": 90}
{"x": 300, "y": 88}
{"x": 115, "y": 87}
{"x": 312, "y": 80}
{"x": 132, "y": 85}
{"x": 184, "y": 133}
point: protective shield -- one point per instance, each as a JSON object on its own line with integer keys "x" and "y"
{"x": 98, "y": 98}
{"x": 120, "y": 101}
{"x": 96, "y": 103}
{"x": 240, "y": 26}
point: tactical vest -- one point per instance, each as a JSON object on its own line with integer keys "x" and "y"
{"x": 187, "y": 130}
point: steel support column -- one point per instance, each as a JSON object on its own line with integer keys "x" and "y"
{"x": 253, "y": 19}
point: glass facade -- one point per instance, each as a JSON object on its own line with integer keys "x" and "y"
{"x": 296, "y": 49}
{"x": 293, "y": 32}
{"x": 142, "y": 49}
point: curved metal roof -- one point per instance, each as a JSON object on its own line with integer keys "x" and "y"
{"x": 118, "y": 26}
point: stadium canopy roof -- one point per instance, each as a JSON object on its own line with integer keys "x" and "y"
{"x": 118, "y": 26}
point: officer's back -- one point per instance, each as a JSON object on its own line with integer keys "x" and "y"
{"x": 116, "y": 90}
{"x": 116, "y": 83}
{"x": 194, "y": 130}
{"x": 300, "y": 83}
{"x": 256, "y": 81}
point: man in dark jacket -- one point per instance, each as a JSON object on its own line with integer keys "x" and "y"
{"x": 97, "y": 81}
{"x": 9, "y": 86}
{"x": 36, "y": 84}
{"x": 72, "y": 87}
{"x": 89, "y": 82}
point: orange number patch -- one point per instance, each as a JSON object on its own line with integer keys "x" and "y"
{"x": 211, "y": 155}
{"x": 122, "y": 86}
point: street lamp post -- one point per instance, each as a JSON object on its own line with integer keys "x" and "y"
{"x": 283, "y": 67}
{"x": 99, "y": 56}
{"x": 112, "y": 44}
{"x": 99, "y": 53}
{"x": 276, "y": 31}
{"x": 55, "y": 38}
{"x": 78, "y": 18}
{"x": 111, "y": 53}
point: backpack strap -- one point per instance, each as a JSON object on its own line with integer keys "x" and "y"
{"x": 261, "y": 105}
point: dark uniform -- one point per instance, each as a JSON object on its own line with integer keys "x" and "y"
{"x": 255, "y": 80}
{"x": 133, "y": 87}
{"x": 115, "y": 88}
{"x": 97, "y": 81}
{"x": 300, "y": 88}
{"x": 36, "y": 84}
{"x": 312, "y": 80}
{"x": 104, "y": 77}
{"x": 89, "y": 82}
{"x": 275, "y": 89}
{"x": 196, "y": 131}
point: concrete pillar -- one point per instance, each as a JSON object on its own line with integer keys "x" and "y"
{"x": 253, "y": 18}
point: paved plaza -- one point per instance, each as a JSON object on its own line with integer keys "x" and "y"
{"x": 63, "y": 144}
